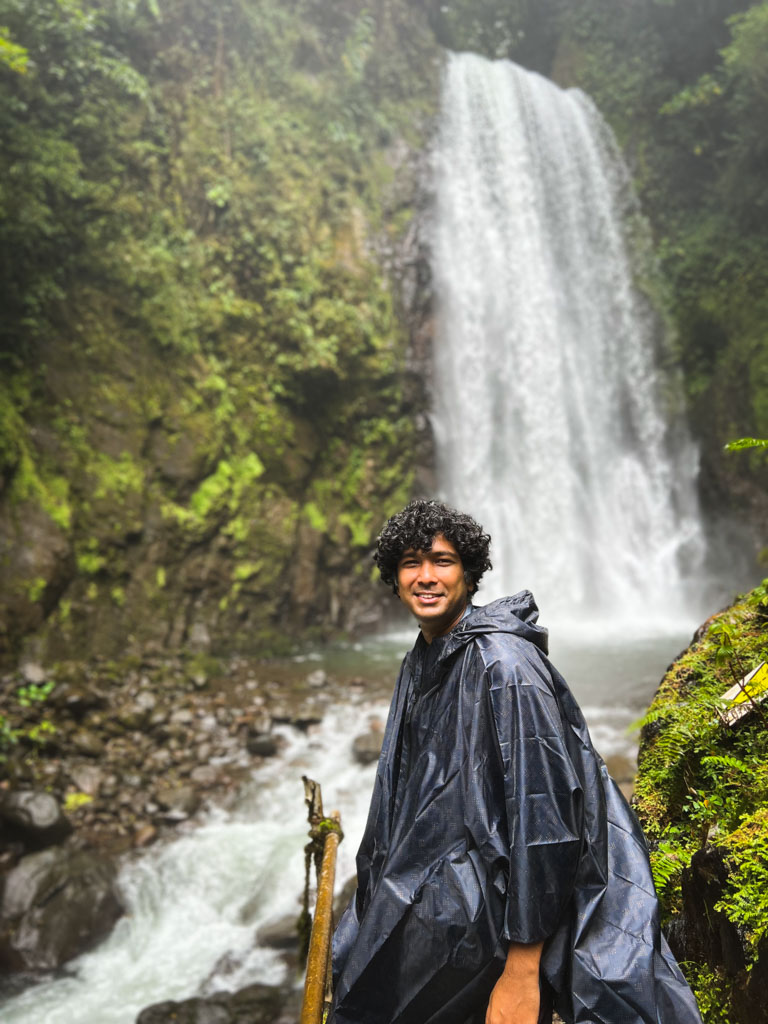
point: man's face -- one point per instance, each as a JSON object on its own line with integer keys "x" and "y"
{"x": 432, "y": 587}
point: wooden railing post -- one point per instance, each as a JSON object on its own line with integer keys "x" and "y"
{"x": 317, "y": 980}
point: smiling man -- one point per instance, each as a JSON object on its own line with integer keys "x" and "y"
{"x": 501, "y": 869}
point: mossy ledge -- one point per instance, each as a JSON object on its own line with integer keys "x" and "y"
{"x": 702, "y": 798}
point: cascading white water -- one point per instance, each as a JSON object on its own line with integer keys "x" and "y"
{"x": 553, "y": 421}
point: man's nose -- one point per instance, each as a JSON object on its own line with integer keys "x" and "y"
{"x": 426, "y": 572}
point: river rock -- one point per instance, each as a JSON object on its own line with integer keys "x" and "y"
{"x": 257, "y": 1004}
{"x": 33, "y": 819}
{"x": 204, "y": 775}
{"x": 262, "y": 746}
{"x": 87, "y": 742}
{"x": 88, "y": 778}
{"x": 179, "y": 800}
{"x": 56, "y": 904}
{"x": 317, "y": 678}
{"x": 75, "y": 700}
{"x": 32, "y": 673}
{"x": 367, "y": 747}
{"x": 280, "y": 933}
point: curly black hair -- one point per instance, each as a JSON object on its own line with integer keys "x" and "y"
{"x": 417, "y": 526}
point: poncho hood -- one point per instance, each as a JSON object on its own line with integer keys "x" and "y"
{"x": 517, "y": 615}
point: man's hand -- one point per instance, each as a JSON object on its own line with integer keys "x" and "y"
{"x": 516, "y": 995}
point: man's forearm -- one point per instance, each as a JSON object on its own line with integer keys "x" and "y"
{"x": 516, "y": 996}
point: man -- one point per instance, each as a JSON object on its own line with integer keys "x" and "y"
{"x": 501, "y": 869}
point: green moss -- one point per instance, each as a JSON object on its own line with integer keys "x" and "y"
{"x": 317, "y": 520}
{"x": 36, "y": 588}
{"x": 745, "y": 900}
{"x": 700, "y": 782}
{"x": 246, "y": 570}
{"x": 225, "y": 486}
{"x": 90, "y": 562}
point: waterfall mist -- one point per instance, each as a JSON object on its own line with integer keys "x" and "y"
{"x": 554, "y": 421}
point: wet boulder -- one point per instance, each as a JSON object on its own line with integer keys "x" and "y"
{"x": 56, "y": 904}
{"x": 32, "y": 819}
{"x": 257, "y": 1004}
{"x": 367, "y": 746}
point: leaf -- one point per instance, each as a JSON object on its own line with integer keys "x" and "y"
{"x": 746, "y": 442}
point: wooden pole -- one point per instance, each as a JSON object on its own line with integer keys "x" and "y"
{"x": 318, "y": 958}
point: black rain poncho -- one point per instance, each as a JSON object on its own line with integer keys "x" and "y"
{"x": 493, "y": 820}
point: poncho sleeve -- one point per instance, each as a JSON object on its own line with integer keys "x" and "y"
{"x": 542, "y": 791}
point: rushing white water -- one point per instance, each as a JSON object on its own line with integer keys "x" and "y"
{"x": 202, "y": 898}
{"x": 554, "y": 422}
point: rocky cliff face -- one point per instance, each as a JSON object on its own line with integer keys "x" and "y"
{"x": 202, "y": 437}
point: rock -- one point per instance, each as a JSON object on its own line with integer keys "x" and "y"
{"x": 88, "y": 743}
{"x": 146, "y": 700}
{"x": 204, "y": 775}
{"x": 344, "y": 895}
{"x": 257, "y": 1004}
{"x": 178, "y": 799}
{"x": 367, "y": 747}
{"x": 701, "y": 932}
{"x": 280, "y": 933}
{"x": 88, "y": 778}
{"x": 56, "y": 904}
{"x": 132, "y": 715}
{"x": 182, "y": 717}
{"x": 262, "y": 746}
{"x": 317, "y": 678}
{"x": 145, "y": 835}
{"x": 159, "y": 759}
{"x": 199, "y": 639}
{"x": 305, "y": 716}
{"x": 33, "y": 819}
{"x": 75, "y": 700}
{"x": 33, "y": 673}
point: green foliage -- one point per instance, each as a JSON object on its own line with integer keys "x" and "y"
{"x": 12, "y": 55}
{"x": 745, "y": 901}
{"x": 746, "y": 442}
{"x": 34, "y": 693}
{"x": 701, "y": 782}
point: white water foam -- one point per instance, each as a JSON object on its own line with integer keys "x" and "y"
{"x": 202, "y": 897}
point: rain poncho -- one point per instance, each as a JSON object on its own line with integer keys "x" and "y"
{"x": 493, "y": 820}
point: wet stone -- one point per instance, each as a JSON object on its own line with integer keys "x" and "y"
{"x": 33, "y": 819}
{"x": 88, "y": 779}
{"x": 262, "y": 746}
{"x": 88, "y": 743}
{"x": 367, "y": 747}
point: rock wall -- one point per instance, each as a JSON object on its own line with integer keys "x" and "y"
{"x": 201, "y": 438}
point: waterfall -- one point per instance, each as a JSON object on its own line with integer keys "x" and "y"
{"x": 555, "y": 422}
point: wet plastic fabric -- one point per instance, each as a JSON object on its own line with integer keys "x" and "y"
{"x": 494, "y": 820}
